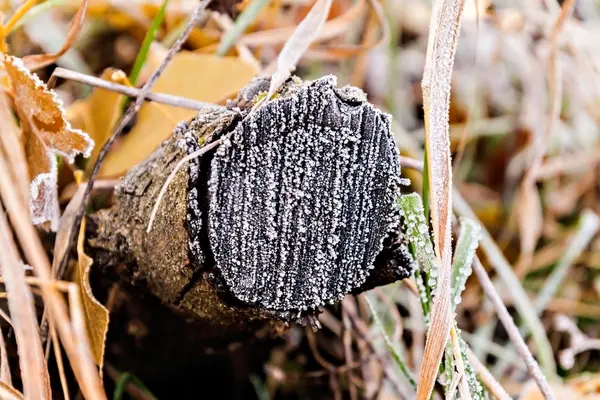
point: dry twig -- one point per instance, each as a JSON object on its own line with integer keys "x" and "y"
{"x": 129, "y": 114}
{"x": 126, "y": 90}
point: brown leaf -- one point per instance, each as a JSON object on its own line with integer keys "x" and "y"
{"x": 96, "y": 315}
{"x": 530, "y": 220}
{"x": 46, "y": 134}
{"x": 202, "y": 77}
{"x": 37, "y": 61}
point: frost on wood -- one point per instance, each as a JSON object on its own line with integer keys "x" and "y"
{"x": 302, "y": 196}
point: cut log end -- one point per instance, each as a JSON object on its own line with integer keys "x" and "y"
{"x": 295, "y": 210}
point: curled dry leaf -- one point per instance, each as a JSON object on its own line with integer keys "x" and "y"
{"x": 46, "y": 134}
{"x": 96, "y": 314}
{"x": 37, "y": 61}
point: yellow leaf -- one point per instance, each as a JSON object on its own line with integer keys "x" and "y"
{"x": 96, "y": 315}
{"x": 99, "y": 113}
{"x": 196, "y": 76}
{"x": 46, "y": 134}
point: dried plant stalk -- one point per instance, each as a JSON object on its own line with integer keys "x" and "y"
{"x": 443, "y": 38}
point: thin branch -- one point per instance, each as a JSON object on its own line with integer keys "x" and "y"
{"x": 127, "y": 118}
{"x": 511, "y": 329}
{"x": 126, "y": 90}
{"x": 181, "y": 163}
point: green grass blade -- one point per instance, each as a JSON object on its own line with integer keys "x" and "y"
{"x": 470, "y": 233}
{"x": 396, "y": 356}
{"x": 35, "y": 11}
{"x": 259, "y": 387}
{"x": 242, "y": 23}
{"x": 425, "y": 190}
{"x": 142, "y": 55}
{"x": 415, "y": 227}
{"x": 475, "y": 387}
{"x": 123, "y": 380}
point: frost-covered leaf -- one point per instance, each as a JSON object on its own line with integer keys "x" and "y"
{"x": 302, "y": 196}
{"x": 443, "y": 37}
{"x": 46, "y": 134}
{"x": 468, "y": 240}
{"x": 415, "y": 227}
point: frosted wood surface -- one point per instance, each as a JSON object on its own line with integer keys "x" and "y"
{"x": 302, "y": 196}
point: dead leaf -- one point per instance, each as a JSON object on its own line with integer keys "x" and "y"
{"x": 306, "y": 32}
{"x": 96, "y": 315}
{"x": 46, "y": 134}
{"x": 37, "y": 61}
{"x": 99, "y": 112}
{"x": 332, "y": 28}
{"x": 196, "y": 76}
{"x": 530, "y": 222}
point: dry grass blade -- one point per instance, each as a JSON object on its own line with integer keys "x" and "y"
{"x": 487, "y": 378}
{"x": 443, "y": 38}
{"x": 181, "y": 163}
{"x": 64, "y": 230}
{"x": 20, "y": 303}
{"x": 332, "y": 28}
{"x": 530, "y": 208}
{"x": 5, "y": 376}
{"x": 38, "y": 61}
{"x": 9, "y": 393}
{"x": 512, "y": 330}
{"x": 589, "y": 226}
{"x": 128, "y": 117}
{"x": 306, "y": 32}
{"x": 10, "y": 136}
{"x": 81, "y": 362}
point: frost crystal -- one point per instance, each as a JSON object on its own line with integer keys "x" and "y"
{"x": 302, "y": 196}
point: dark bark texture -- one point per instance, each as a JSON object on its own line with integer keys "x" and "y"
{"x": 296, "y": 209}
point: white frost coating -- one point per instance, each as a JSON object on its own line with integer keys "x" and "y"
{"x": 43, "y": 203}
{"x": 302, "y": 197}
{"x": 466, "y": 247}
{"x": 44, "y": 197}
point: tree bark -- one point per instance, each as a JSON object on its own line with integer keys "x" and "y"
{"x": 165, "y": 263}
